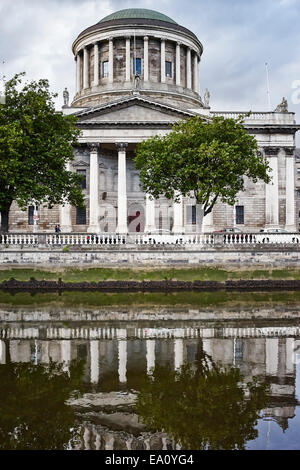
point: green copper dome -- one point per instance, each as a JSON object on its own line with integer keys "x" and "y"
{"x": 140, "y": 13}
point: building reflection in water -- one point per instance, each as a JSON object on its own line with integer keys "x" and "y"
{"x": 117, "y": 356}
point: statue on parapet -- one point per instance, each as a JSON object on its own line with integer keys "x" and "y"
{"x": 282, "y": 107}
{"x": 66, "y": 97}
{"x": 206, "y": 98}
{"x": 137, "y": 81}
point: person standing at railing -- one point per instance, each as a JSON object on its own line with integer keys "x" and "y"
{"x": 57, "y": 228}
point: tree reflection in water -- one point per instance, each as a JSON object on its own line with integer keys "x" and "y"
{"x": 202, "y": 405}
{"x": 33, "y": 413}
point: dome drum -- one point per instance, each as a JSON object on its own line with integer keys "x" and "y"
{"x": 166, "y": 61}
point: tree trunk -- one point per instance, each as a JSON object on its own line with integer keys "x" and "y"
{"x": 4, "y": 220}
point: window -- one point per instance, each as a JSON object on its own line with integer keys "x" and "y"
{"x": 168, "y": 69}
{"x": 137, "y": 67}
{"x": 32, "y": 215}
{"x": 298, "y": 193}
{"x": 191, "y": 215}
{"x": 80, "y": 216}
{"x": 239, "y": 212}
{"x": 105, "y": 69}
{"x": 83, "y": 174}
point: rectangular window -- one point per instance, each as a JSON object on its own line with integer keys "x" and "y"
{"x": 168, "y": 69}
{"x": 191, "y": 215}
{"x": 239, "y": 211}
{"x": 80, "y": 216}
{"x": 83, "y": 174}
{"x": 30, "y": 215}
{"x": 104, "y": 69}
{"x": 137, "y": 66}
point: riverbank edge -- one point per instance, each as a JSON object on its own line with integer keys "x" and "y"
{"x": 151, "y": 286}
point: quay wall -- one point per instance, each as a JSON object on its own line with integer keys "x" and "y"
{"x": 151, "y": 256}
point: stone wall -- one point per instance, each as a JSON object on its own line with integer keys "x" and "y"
{"x": 118, "y": 256}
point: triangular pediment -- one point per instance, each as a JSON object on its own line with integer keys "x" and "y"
{"x": 132, "y": 110}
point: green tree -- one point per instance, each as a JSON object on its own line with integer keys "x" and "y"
{"x": 35, "y": 148}
{"x": 33, "y": 410}
{"x": 209, "y": 159}
{"x": 202, "y": 406}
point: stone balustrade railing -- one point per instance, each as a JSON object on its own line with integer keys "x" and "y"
{"x": 204, "y": 239}
{"x": 256, "y": 117}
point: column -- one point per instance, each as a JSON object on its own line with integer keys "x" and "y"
{"x": 111, "y": 61}
{"x": 178, "y": 353}
{"x": 188, "y": 69}
{"x": 96, "y": 64}
{"x": 78, "y": 78}
{"x": 163, "y": 61}
{"x": 272, "y": 212}
{"x": 150, "y": 348}
{"x": 146, "y": 59}
{"x": 271, "y": 356}
{"x": 178, "y": 226}
{"x": 150, "y": 214}
{"x": 65, "y": 213}
{"x": 94, "y": 189}
{"x": 122, "y": 190}
{"x": 122, "y": 355}
{"x": 127, "y": 75}
{"x": 199, "y": 75}
{"x": 66, "y": 354}
{"x": 195, "y": 72}
{"x": 208, "y": 224}
{"x": 85, "y": 68}
{"x": 290, "y": 223}
{"x": 94, "y": 352}
{"x": 178, "y": 81}
{"x": 290, "y": 355}
{"x": 2, "y": 352}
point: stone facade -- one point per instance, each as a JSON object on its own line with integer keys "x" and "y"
{"x": 116, "y": 111}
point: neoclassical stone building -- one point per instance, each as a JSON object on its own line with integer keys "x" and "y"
{"x": 137, "y": 72}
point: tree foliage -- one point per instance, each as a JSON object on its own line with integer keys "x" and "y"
{"x": 35, "y": 148}
{"x": 202, "y": 406}
{"x": 33, "y": 410}
{"x": 209, "y": 159}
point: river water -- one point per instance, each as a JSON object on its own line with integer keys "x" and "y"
{"x": 150, "y": 377}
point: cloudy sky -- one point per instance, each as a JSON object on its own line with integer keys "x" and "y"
{"x": 239, "y": 37}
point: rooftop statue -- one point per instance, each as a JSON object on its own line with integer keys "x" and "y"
{"x": 282, "y": 107}
{"x": 137, "y": 81}
{"x": 206, "y": 98}
{"x": 66, "y": 97}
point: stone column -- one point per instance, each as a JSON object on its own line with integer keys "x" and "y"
{"x": 96, "y": 64}
{"x": 290, "y": 223}
{"x": 150, "y": 347}
{"x": 272, "y": 204}
{"x": 2, "y": 352}
{"x": 289, "y": 354}
{"x": 94, "y": 352}
{"x": 199, "y": 75}
{"x": 150, "y": 214}
{"x": 122, "y": 355}
{"x": 146, "y": 58}
{"x": 127, "y": 77}
{"x": 66, "y": 354}
{"x": 163, "y": 61}
{"x": 65, "y": 213}
{"x": 85, "y": 68}
{"x": 94, "y": 189}
{"x": 111, "y": 61}
{"x": 195, "y": 72}
{"x": 188, "y": 69}
{"x": 178, "y": 81}
{"x": 122, "y": 188}
{"x": 271, "y": 356}
{"x": 178, "y": 216}
{"x": 178, "y": 353}
{"x": 78, "y": 80}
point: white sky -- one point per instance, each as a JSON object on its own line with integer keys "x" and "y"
{"x": 238, "y": 36}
